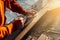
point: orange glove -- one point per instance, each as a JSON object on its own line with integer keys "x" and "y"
{"x": 3, "y": 32}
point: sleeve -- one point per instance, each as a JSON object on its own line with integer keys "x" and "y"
{"x": 15, "y": 7}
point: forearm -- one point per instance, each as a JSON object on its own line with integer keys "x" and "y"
{"x": 17, "y": 8}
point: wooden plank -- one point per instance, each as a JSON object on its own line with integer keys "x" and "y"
{"x": 34, "y": 21}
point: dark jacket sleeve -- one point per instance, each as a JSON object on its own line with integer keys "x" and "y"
{"x": 15, "y": 7}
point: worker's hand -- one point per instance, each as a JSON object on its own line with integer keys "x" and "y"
{"x": 18, "y": 22}
{"x": 31, "y": 13}
{"x": 3, "y": 32}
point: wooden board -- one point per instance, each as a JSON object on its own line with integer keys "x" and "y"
{"x": 33, "y": 22}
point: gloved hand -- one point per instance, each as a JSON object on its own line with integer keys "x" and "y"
{"x": 18, "y": 23}
{"x": 31, "y": 13}
{"x": 3, "y": 32}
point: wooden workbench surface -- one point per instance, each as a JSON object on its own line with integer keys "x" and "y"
{"x": 33, "y": 22}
